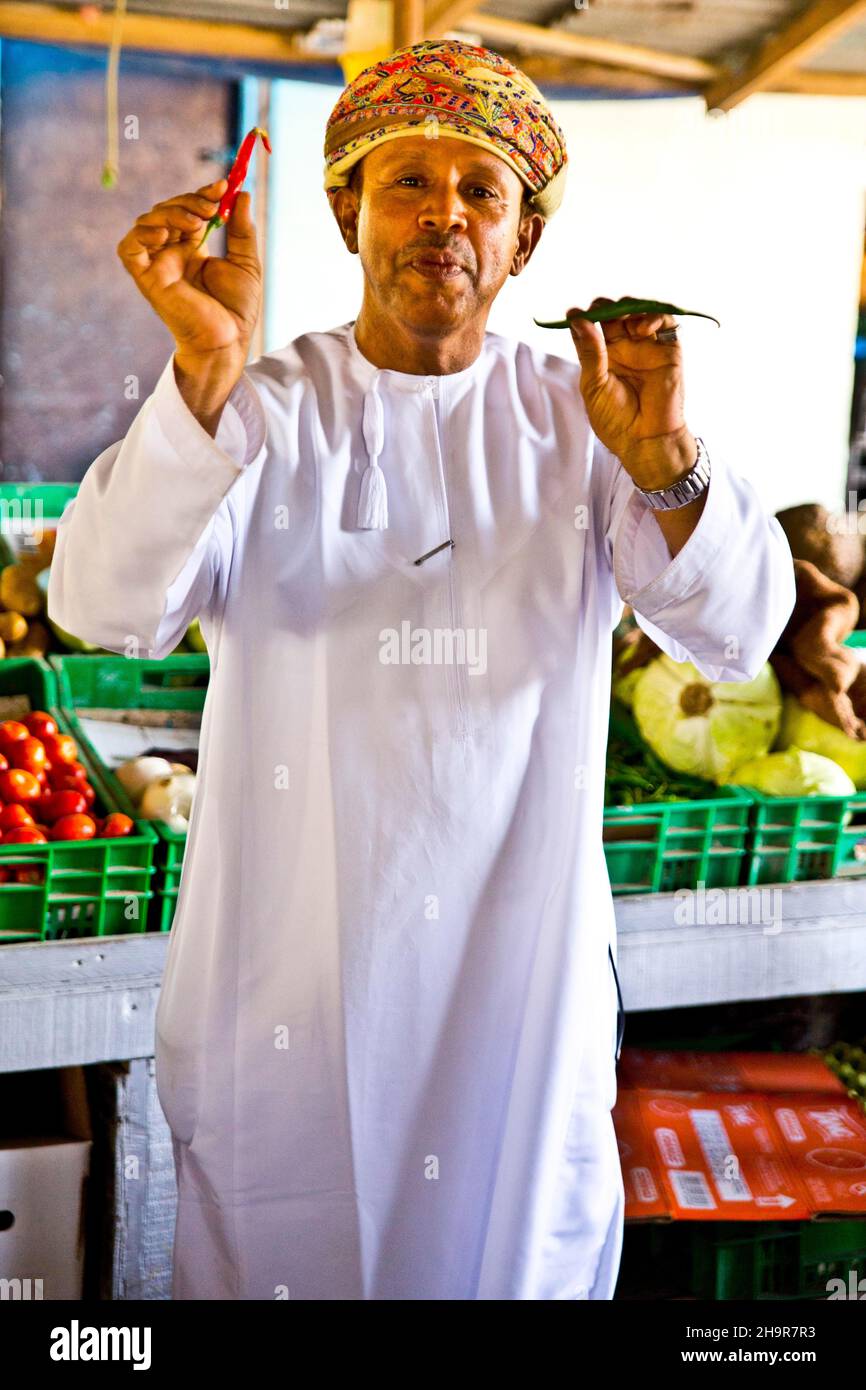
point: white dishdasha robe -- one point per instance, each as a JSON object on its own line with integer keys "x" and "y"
{"x": 386, "y": 1034}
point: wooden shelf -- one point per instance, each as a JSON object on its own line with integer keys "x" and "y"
{"x": 67, "y": 1003}
{"x": 818, "y": 947}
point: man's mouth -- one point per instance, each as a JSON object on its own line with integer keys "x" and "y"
{"x": 440, "y": 267}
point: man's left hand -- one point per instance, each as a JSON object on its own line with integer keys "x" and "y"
{"x": 632, "y": 386}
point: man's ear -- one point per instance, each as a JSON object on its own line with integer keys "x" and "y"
{"x": 345, "y": 205}
{"x": 528, "y": 237}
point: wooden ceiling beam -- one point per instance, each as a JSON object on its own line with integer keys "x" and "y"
{"x": 552, "y": 70}
{"x": 511, "y": 33}
{"x": 784, "y": 51}
{"x": 408, "y": 23}
{"x": 822, "y": 82}
{"x": 51, "y": 24}
{"x": 571, "y": 64}
{"x": 442, "y": 15}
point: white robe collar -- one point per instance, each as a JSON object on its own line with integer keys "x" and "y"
{"x": 373, "y": 498}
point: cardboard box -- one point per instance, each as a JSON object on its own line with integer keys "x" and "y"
{"x": 641, "y": 1068}
{"x": 795, "y": 1150}
{"x": 43, "y": 1174}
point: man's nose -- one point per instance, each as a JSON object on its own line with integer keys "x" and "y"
{"x": 443, "y": 210}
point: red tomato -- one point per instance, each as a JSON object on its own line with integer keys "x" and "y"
{"x": 40, "y": 723}
{"x": 74, "y": 828}
{"x": 13, "y": 815}
{"x": 61, "y": 778}
{"x": 28, "y": 753}
{"x": 11, "y": 731}
{"x": 4, "y": 762}
{"x": 18, "y": 785}
{"x": 53, "y": 805}
{"x": 61, "y": 748}
{"x": 115, "y": 824}
{"x": 29, "y": 875}
{"x": 73, "y": 769}
{"x": 24, "y": 835}
{"x": 5, "y": 875}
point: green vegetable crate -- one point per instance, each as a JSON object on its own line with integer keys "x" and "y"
{"x": 778, "y": 1260}
{"x": 85, "y": 888}
{"x": 26, "y": 507}
{"x": 754, "y": 1262}
{"x": 659, "y": 846}
{"x": 808, "y": 837}
{"x": 22, "y": 503}
{"x": 118, "y": 682}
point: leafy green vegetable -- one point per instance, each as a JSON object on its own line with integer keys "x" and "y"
{"x": 636, "y": 776}
{"x": 605, "y": 313}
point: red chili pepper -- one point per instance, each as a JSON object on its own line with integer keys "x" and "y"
{"x": 237, "y": 174}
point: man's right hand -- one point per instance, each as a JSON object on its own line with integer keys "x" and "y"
{"x": 209, "y": 304}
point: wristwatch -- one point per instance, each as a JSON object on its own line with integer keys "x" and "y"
{"x": 684, "y": 490}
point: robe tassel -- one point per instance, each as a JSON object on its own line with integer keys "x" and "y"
{"x": 373, "y": 500}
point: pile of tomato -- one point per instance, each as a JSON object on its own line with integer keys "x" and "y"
{"x": 44, "y": 789}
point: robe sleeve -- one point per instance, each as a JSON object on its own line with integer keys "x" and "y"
{"x": 723, "y": 601}
{"x": 145, "y": 545}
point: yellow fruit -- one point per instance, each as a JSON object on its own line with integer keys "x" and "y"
{"x": 34, "y": 644}
{"x": 13, "y": 627}
{"x": 19, "y": 591}
{"x": 31, "y": 563}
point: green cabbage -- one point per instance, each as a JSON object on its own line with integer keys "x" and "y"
{"x": 804, "y": 729}
{"x": 794, "y": 772}
{"x": 706, "y": 728}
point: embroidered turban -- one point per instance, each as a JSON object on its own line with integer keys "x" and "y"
{"x": 458, "y": 90}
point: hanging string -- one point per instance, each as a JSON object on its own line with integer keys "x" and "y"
{"x": 110, "y": 168}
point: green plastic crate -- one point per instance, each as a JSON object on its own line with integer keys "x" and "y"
{"x": 116, "y": 682}
{"x": 660, "y": 846}
{"x": 23, "y": 504}
{"x": 807, "y": 837}
{"x": 89, "y": 887}
{"x": 50, "y": 498}
{"x": 775, "y": 1260}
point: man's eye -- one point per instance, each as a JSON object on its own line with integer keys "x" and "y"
{"x": 478, "y": 188}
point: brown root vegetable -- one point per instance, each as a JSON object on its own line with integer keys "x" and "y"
{"x": 13, "y": 627}
{"x": 633, "y": 650}
{"x": 19, "y": 591}
{"x": 809, "y": 658}
{"x": 824, "y": 539}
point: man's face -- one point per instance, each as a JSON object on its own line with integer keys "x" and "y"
{"x": 421, "y": 198}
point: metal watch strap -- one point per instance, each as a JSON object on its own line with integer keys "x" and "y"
{"x": 685, "y": 489}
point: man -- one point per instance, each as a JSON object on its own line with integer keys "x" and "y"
{"x": 386, "y": 1034}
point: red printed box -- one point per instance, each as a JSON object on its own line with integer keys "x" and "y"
{"x": 728, "y": 1155}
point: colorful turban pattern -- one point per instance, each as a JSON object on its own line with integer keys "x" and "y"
{"x": 459, "y": 90}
